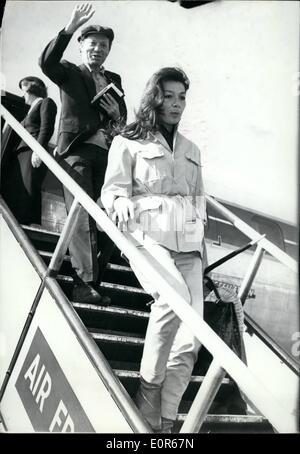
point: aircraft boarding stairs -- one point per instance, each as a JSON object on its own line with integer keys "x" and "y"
{"x": 119, "y": 330}
{"x": 59, "y": 330}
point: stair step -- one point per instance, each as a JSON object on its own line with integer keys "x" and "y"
{"x": 113, "y": 317}
{"x": 110, "y": 266}
{"x": 49, "y": 255}
{"x": 120, "y": 274}
{"x": 218, "y": 423}
{"x": 124, "y": 365}
{"x": 119, "y": 347}
{"x": 133, "y": 374}
{"x": 112, "y": 309}
{"x": 121, "y": 268}
{"x": 42, "y": 239}
{"x": 117, "y": 338}
{"x": 114, "y": 273}
{"x": 121, "y": 295}
{"x": 123, "y": 288}
{"x": 107, "y": 285}
{"x": 232, "y": 419}
{"x": 39, "y": 229}
{"x": 40, "y": 236}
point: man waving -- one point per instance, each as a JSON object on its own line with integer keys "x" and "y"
{"x": 85, "y": 131}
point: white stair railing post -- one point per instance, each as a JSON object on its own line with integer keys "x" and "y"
{"x": 64, "y": 239}
{"x": 251, "y": 273}
{"x": 204, "y": 398}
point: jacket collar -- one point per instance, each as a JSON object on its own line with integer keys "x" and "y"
{"x": 33, "y": 105}
{"x": 158, "y": 137}
{"x": 101, "y": 70}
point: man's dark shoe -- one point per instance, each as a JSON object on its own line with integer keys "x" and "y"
{"x": 85, "y": 293}
{"x": 105, "y": 300}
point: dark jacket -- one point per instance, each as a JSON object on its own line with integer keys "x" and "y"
{"x": 78, "y": 120}
{"x": 39, "y": 122}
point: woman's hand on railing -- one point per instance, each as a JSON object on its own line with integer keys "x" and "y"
{"x": 35, "y": 160}
{"x": 123, "y": 211}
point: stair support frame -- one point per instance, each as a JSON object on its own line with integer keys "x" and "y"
{"x": 251, "y": 273}
{"x": 204, "y": 398}
{"x": 64, "y": 239}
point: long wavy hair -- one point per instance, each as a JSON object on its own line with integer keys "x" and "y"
{"x": 151, "y": 102}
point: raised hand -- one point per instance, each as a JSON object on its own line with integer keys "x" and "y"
{"x": 80, "y": 15}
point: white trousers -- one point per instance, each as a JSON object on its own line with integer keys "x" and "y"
{"x": 170, "y": 349}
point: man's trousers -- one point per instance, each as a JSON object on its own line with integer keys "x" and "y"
{"x": 86, "y": 164}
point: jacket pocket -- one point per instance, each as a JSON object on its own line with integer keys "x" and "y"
{"x": 150, "y": 165}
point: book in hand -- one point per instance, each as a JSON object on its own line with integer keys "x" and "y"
{"x": 109, "y": 89}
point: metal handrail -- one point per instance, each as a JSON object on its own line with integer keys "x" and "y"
{"x": 251, "y": 273}
{"x": 248, "y": 382}
{"x": 203, "y": 400}
{"x": 64, "y": 240}
{"x": 247, "y": 230}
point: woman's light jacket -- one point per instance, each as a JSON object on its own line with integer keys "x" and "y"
{"x": 166, "y": 186}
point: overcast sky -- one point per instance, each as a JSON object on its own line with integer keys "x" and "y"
{"x": 242, "y": 58}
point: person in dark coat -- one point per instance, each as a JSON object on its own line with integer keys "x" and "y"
{"x": 85, "y": 132}
{"x": 25, "y": 175}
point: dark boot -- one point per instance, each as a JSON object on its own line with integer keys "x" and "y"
{"x": 148, "y": 401}
{"x": 166, "y": 425}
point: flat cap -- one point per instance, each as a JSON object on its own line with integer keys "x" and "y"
{"x": 96, "y": 29}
